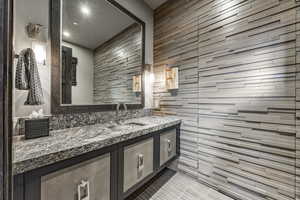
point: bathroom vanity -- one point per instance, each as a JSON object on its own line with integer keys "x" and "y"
{"x": 97, "y": 66}
{"x": 102, "y": 161}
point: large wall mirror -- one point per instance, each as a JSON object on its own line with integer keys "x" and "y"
{"x": 98, "y": 53}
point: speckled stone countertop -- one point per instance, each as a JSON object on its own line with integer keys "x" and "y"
{"x": 68, "y": 143}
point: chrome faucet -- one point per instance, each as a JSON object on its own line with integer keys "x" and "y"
{"x": 118, "y": 110}
{"x": 125, "y": 106}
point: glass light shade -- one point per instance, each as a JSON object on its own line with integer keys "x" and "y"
{"x": 40, "y": 52}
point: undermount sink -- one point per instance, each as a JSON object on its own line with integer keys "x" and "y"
{"x": 115, "y": 127}
{"x": 119, "y": 127}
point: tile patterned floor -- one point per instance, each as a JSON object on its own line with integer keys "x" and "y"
{"x": 177, "y": 186}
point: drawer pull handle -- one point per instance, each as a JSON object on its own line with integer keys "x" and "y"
{"x": 83, "y": 190}
{"x": 170, "y": 147}
{"x": 140, "y": 162}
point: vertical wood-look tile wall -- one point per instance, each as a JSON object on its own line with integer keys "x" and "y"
{"x": 116, "y": 62}
{"x": 237, "y": 97}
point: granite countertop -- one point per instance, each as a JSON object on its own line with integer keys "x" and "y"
{"x": 68, "y": 143}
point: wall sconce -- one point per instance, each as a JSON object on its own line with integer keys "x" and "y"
{"x": 33, "y": 30}
{"x": 40, "y": 52}
{"x": 137, "y": 83}
{"x": 171, "y": 75}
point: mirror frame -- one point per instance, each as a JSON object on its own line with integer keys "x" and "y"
{"x": 55, "y": 37}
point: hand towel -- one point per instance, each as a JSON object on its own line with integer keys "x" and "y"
{"x": 27, "y": 77}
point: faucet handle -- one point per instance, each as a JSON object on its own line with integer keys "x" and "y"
{"x": 118, "y": 106}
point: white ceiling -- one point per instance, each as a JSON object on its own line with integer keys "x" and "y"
{"x": 104, "y": 22}
{"x": 155, "y": 3}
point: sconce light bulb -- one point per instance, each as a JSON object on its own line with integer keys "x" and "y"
{"x": 40, "y": 52}
{"x": 66, "y": 34}
{"x": 85, "y": 10}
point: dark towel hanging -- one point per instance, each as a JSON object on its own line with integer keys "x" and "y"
{"x": 27, "y": 77}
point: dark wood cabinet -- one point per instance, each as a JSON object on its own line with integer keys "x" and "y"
{"x": 119, "y": 170}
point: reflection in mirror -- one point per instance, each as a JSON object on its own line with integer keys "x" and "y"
{"x": 101, "y": 53}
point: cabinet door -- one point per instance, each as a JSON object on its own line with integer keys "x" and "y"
{"x": 90, "y": 178}
{"x": 167, "y": 146}
{"x": 138, "y": 162}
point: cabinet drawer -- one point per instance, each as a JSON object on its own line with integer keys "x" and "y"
{"x": 64, "y": 184}
{"x": 167, "y": 146}
{"x": 138, "y": 162}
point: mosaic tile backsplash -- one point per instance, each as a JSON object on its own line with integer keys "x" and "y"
{"x": 64, "y": 121}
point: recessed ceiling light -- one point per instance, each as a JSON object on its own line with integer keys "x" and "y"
{"x": 66, "y": 34}
{"x": 85, "y": 10}
{"x": 75, "y": 23}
